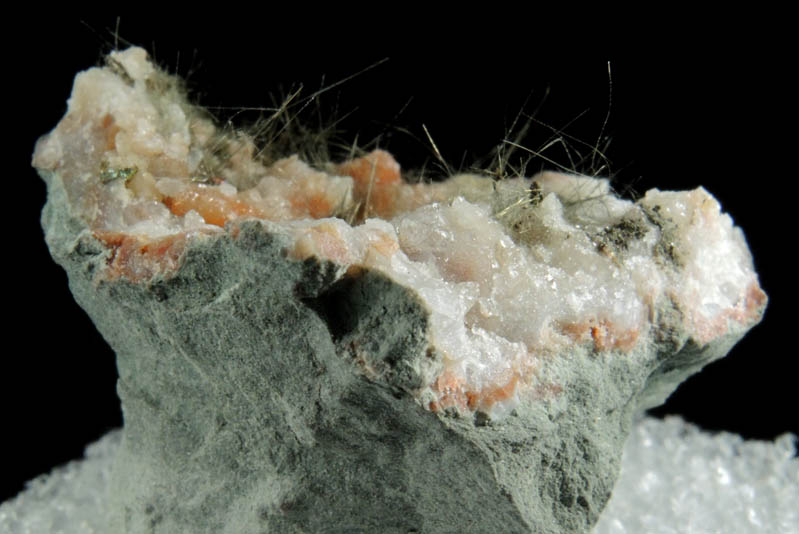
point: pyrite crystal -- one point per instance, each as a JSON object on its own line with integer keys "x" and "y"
{"x": 332, "y": 349}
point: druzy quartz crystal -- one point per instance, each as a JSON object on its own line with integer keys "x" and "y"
{"x": 329, "y": 348}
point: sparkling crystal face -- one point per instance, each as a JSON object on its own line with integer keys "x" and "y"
{"x": 512, "y": 272}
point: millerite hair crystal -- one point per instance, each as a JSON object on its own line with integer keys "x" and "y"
{"x": 329, "y": 348}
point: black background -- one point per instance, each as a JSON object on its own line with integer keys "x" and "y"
{"x": 692, "y": 109}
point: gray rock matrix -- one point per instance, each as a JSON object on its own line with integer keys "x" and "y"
{"x": 245, "y": 411}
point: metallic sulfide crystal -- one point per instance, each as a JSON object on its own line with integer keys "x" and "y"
{"x": 331, "y": 349}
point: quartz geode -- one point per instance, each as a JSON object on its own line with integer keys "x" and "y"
{"x": 332, "y": 349}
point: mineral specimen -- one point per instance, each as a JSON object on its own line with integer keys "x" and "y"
{"x": 332, "y": 349}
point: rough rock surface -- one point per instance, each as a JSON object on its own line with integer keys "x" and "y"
{"x": 470, "y": 361}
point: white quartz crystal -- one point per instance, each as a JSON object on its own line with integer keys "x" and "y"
{"x": 676, "y": 479}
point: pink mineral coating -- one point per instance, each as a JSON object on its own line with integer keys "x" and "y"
{"x": 377, "y": 181}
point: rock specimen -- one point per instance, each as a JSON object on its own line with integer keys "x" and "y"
{"x": 332, "y": 349}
